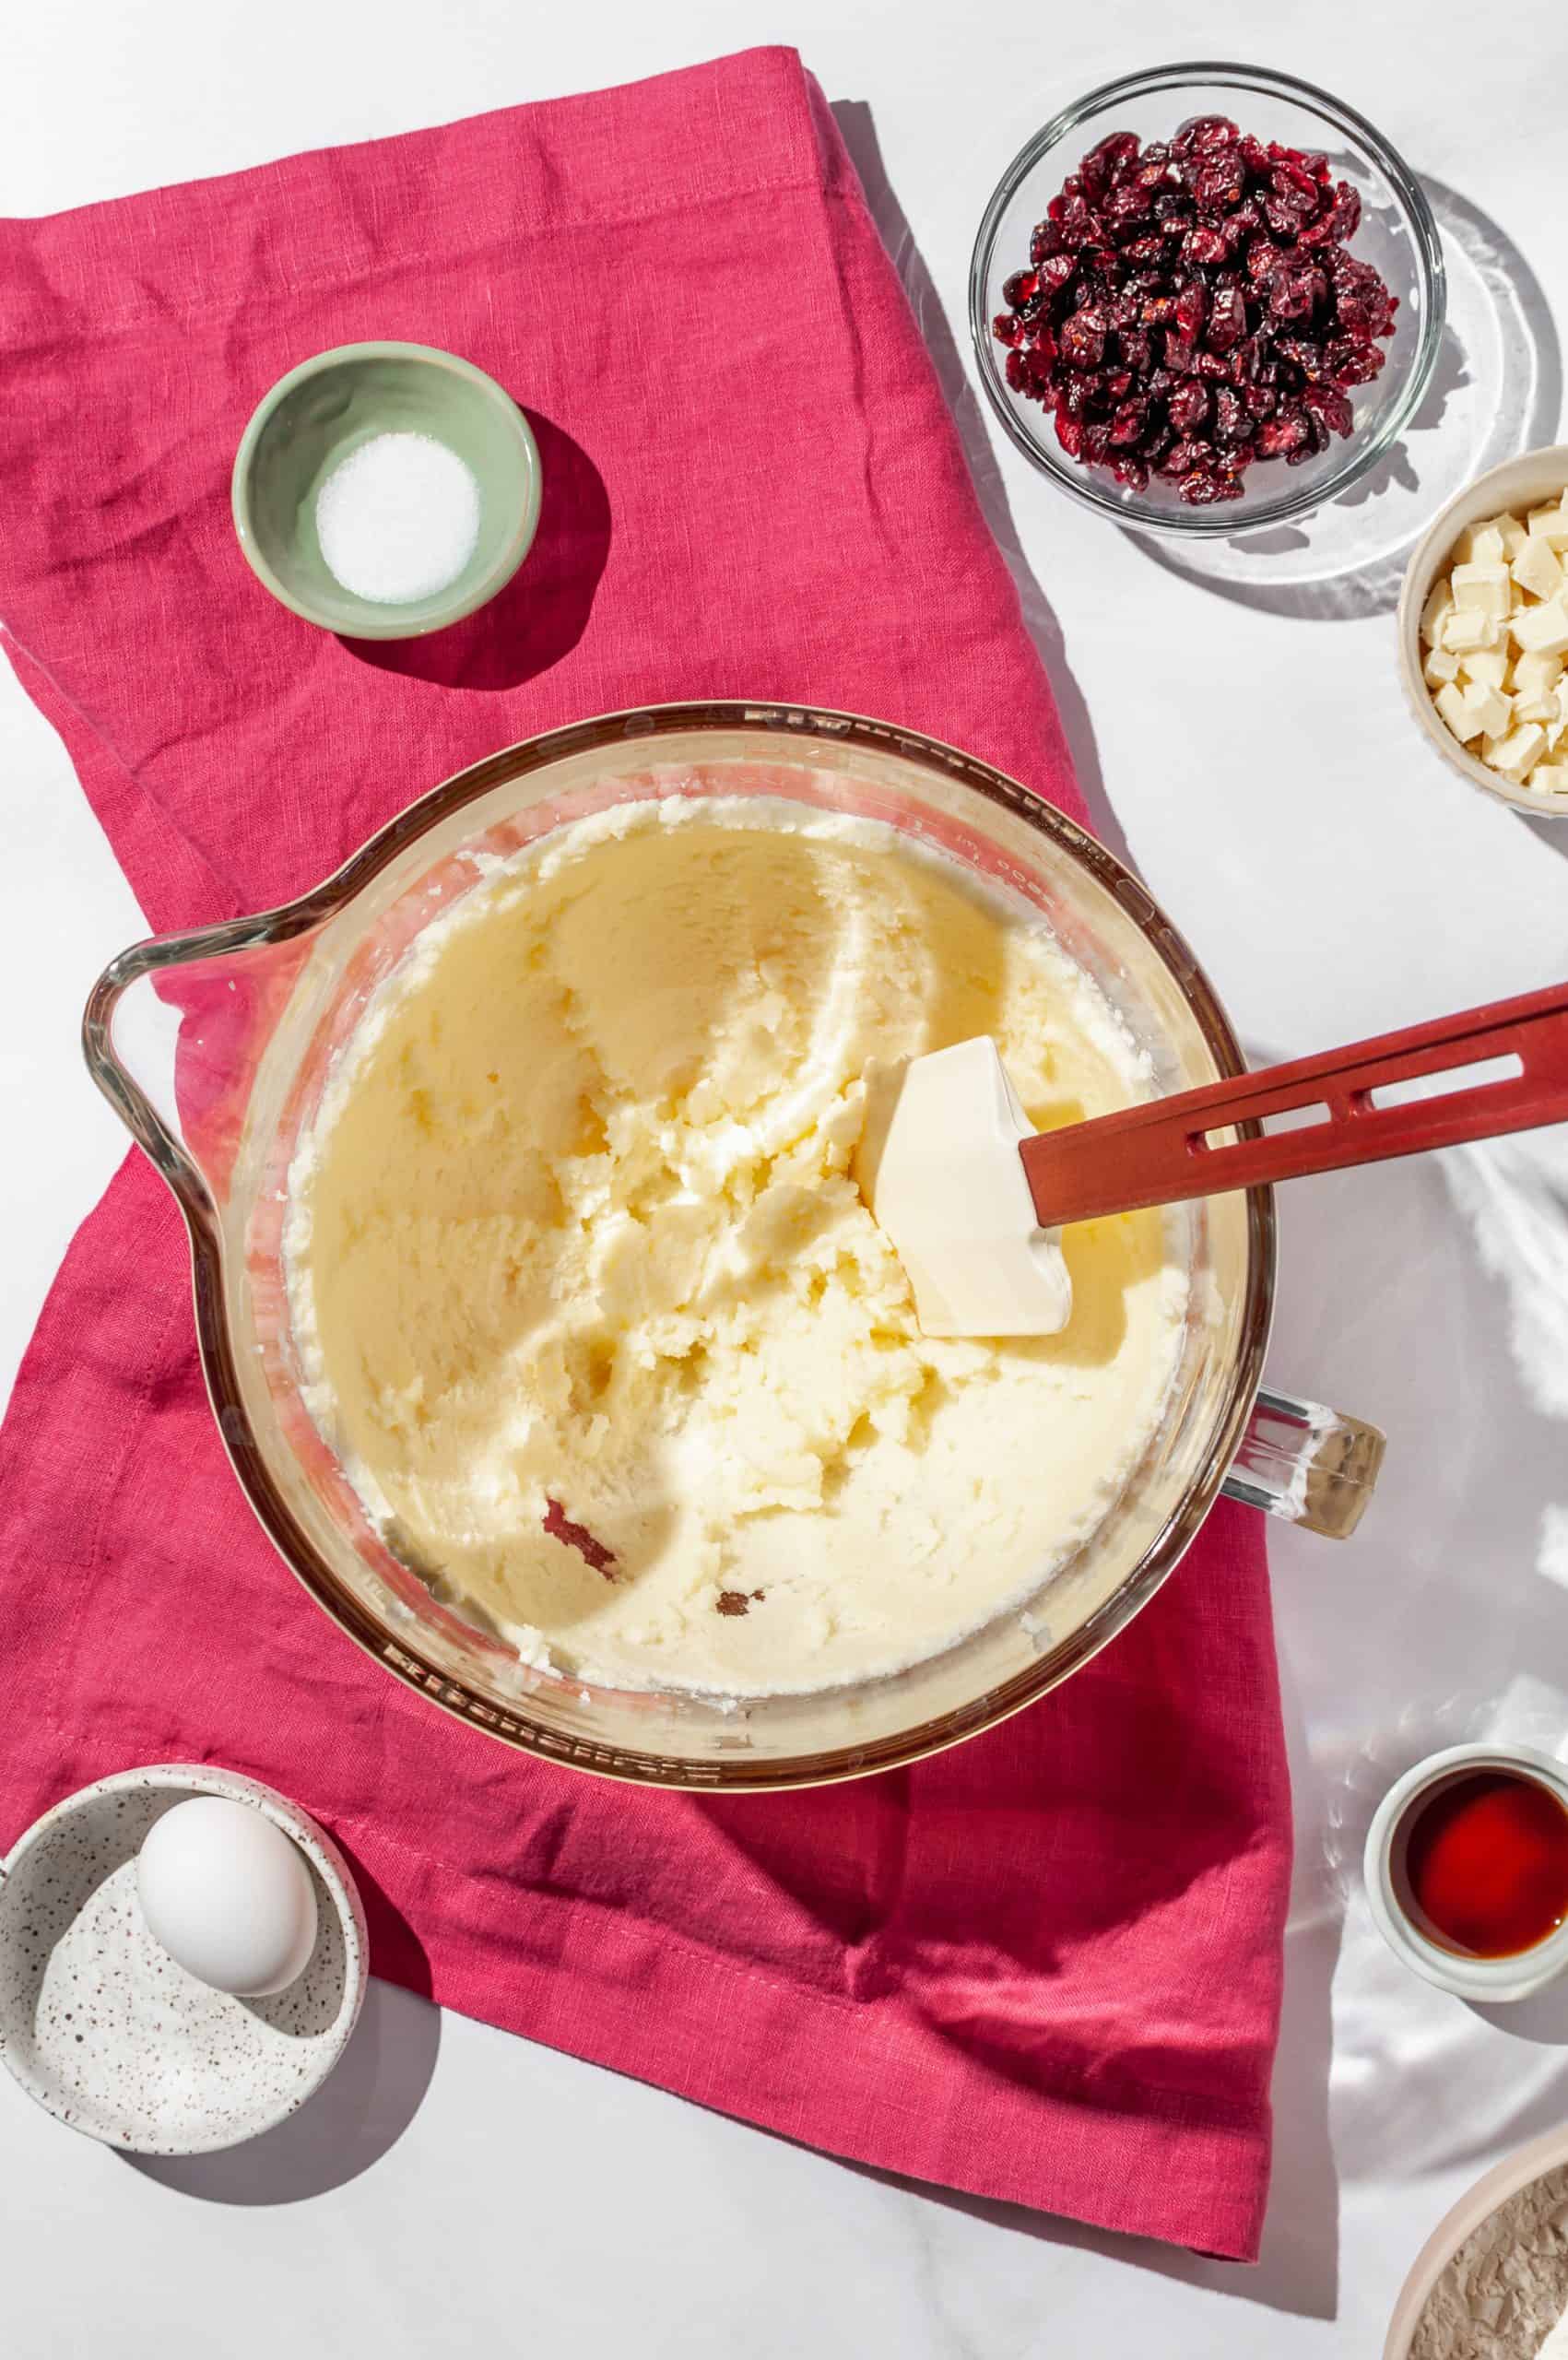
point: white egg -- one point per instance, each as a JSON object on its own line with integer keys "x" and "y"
{"x": 228, "y": 1895}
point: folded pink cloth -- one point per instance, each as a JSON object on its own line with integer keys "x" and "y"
{"x": 1044, "y": 1966}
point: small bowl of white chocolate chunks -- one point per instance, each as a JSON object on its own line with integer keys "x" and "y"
{"x": 1483, "y": 631}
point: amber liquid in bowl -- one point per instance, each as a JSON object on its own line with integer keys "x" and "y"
{"x": 1486, "y": 1860}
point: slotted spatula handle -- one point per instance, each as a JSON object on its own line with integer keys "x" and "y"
{"x": 1159, "y": 1154}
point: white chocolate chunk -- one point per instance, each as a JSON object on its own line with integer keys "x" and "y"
{"x": 1513, "y": 536}
{"x": 1482, "y": 544}
{"x": 1516, "y": 755}
{"x": 1458, "y": 712}
{"x": 1485, "y": 587}
{"x": 1550, "y": 525}
{"x": 1550, "y": 778}
{"x": 1467, "y": 627}
{"x": 1493, "y": 710}
{"x": 1536, "y": 569}
{"x": 1487, "y": 664}
{"x": 1441, "y": 665}
{"x": 1543, "y": 630}
{"x": 1542, "y": 709}
{"x": 1533, "y": 675}
{"x": 1439, "y": 606}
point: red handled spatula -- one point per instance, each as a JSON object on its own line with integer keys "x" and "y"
{"x": 972, "y": 1199}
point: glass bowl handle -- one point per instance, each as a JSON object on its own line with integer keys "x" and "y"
{"x": 1306, "y": 1464}
{"x": 172, "y": 1031}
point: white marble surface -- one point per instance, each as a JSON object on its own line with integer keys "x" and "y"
{"x": 454, "y": 2188}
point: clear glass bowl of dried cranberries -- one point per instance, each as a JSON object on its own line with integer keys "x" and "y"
{"x": 1207, "y": 298}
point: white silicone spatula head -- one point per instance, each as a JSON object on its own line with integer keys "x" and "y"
{"x": 950, "y": 1193}
{"x": 963, "y": 1189}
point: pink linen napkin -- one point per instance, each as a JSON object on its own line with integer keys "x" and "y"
{"x": 1043, "y": 1967}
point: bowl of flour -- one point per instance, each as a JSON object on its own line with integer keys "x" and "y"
{"x": 1491, "y": 2281}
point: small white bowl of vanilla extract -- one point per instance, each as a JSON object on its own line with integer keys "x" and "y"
{"x": 1466, "y": 1870}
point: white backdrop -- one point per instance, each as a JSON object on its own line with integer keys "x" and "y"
{"x": 1239, "y": 729}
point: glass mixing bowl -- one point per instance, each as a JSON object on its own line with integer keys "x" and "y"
{"x": 1398, "y": 235}
{"x": 214, "y": 1047}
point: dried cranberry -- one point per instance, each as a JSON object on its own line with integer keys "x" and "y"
{"x": 1055, "y": 271}
{"x": 1126, "y": 207}
{"x": 1207, "y": 485}
{"x": 1262, "y": 258}
{"x": 1082, "y": 338}
{"x": 1184, "y": 455}
{"x": 1133, "y": 472}
{"x": 1284, "y": 217}
{"x": 1261, "y": 400}
{"x": 1227, "y": 319}
{"x": 1291, "y": 179}
{"x": 1046, "y": 240}
{"x": 1296, "y": 294}
{"x": 1277, "y": 437}
{"x": 1325, "y": 402}
{"x": 1203, "y": 245}
{"x": 1350, "y": 361}
{"x": 1232, "y": 423}
{"x": 1192, "y": 307}
{"x": 1021, "y": 289}
{"x": 1103, "y": 164}
{"x": 1128, "y": 424}
{"x": 1069, "y": 435}
{"x": 1189, "y": 407}
{"x": 1220, "y": 185}
{"x": 1305, "y": 352}
{"x": 1016, "y": 371}
{"x": 1096, "y": 443}
{"x": 1202, "y": 134}
{"x": 1007, "y": 329}
{"x": 1345, "y": 214}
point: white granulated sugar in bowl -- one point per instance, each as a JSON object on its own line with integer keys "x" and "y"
{"x": 1507, "y": 2288}
{"x": 398, "y": 519}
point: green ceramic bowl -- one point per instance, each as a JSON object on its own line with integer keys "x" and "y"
{"x": 324, "y": 409}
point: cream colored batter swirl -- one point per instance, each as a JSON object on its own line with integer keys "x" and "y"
{"x": 576, "y": 1242}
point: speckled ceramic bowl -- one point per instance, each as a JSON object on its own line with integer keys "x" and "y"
{"x": 102, "y": 2026}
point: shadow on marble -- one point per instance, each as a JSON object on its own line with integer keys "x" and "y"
{"x": 1445, "y": 1620}
{"x": 360, "y": 2112}
{"x": 1542, "y": 2019}
{"x": 859, "y": 132}
{"x": 1501, "y": 343}
{"x": 1553, "y": 834}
